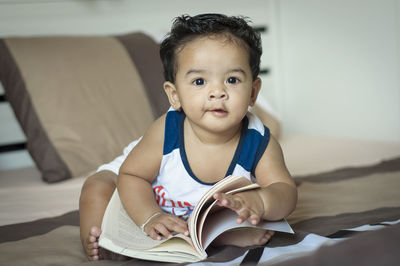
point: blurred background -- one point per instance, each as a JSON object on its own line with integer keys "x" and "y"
{"x": 330, "y": 68}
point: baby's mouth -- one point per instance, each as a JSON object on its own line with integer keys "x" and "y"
{"x": 219, "y": 112}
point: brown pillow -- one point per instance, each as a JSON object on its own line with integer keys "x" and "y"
{"x": 81, "y": 100}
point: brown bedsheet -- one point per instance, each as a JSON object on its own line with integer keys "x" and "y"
{"x": 330, "y": 204}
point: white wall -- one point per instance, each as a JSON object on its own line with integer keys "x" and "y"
{"x": 338, "y": 68}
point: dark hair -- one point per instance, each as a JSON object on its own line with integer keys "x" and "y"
{"x": 186, "y": 28}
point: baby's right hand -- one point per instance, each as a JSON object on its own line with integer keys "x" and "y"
{"x": 164, "y": 225}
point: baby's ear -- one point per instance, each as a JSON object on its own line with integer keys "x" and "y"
{"x": 255, "y": 89}
{"x": 172, "y": 95}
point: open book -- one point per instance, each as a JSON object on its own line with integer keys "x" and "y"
{"x": 206, "y": 222}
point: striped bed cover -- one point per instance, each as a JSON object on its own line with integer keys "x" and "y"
{"x": 349, "y": 216}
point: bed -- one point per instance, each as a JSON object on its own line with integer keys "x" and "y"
{"x": 80, "y": 100}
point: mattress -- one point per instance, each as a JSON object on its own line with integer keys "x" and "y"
{"x": 348, "y": 202}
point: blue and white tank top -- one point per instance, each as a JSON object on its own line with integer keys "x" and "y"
{"x": 176, "y": 188}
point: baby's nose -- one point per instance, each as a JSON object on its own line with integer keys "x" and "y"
{"x": 217, "y": 94}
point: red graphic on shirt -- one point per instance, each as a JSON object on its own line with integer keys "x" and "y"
{"x": 184, "y": 208}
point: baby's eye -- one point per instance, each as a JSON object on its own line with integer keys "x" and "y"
{"x": 233, "y": 80}
{"x": 199, "y": 82}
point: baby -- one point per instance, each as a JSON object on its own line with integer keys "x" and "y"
{"x": 211, "y": 66}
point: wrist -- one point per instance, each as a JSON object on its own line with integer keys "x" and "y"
{"x": 262, "y": 203}
{"x": 279, "y": 200}
{"x": 151, "y": 217}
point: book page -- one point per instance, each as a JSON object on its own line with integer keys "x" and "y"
{"x": 229, "y": 183}
{"x": 119, "y": 228}
{"x": 213, "y": 207}
{"x": 225, "y": 219}
{"x": 174, "y": 250}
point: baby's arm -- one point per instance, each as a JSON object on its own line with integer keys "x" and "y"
{"x": 277, "y": 196}
{"x": 134, "y": 185}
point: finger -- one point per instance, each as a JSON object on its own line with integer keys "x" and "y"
{"x": 229, "y": 201}
{"x": 179, "y": 221}
{"x": 153, "y": 234}
{"x": 254, "y": 219}
{"x": 222, "y": 198}
{"x": 219, "y": 197}
{"x": 163, "y": 230}
{"x": 179, "y": 227}
{"x": 243, "y": 215}
{"x": 171, "y": 224}
{"x": 174, "y": 224}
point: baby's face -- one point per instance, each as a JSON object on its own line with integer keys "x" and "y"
{"x": 214, "y": 82}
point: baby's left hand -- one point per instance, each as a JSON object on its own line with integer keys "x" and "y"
{"x": 248, "y": 205}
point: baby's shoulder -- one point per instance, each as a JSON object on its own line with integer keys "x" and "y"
{"x": 155, "y": 132}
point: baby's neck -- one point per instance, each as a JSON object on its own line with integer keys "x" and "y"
{"x": 218, "y": 149}
{"x": 211, "y": 138}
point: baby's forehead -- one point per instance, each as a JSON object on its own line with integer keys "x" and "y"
{"x": 220, "y": 38}
{"x": 223, "y": 37}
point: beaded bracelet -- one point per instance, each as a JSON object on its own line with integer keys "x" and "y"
{"x": 148, "y": 220}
